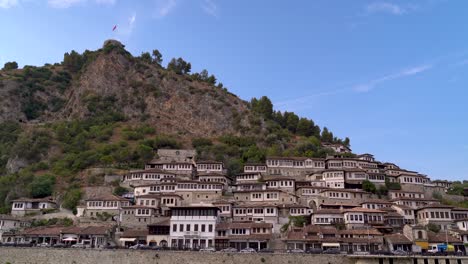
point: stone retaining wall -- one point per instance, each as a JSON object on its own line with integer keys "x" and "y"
{"x": 90, "y": 256}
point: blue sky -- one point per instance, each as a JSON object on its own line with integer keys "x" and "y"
{"x": 391, "y": 75}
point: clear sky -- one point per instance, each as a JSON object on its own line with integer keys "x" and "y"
{"x": 391, "y": 75}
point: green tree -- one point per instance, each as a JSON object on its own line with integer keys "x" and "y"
{"x": 392, "y": 185}
{"x": 119, "y": 191}
{"x": 157, "y": 57}
{"x": 346, "y": 142}
{"x": 263, "y": 106}
{"x": 433, "y": 227}
{"x": 42, "y": 186}
{"x": 295, "y": 221}
{"x": 145, "y": 152}
{"x": 72, "y": 198}
{"x": 291, "y": 121}
{"x": 12, "y": 65}
{"x": 201, "y": 142}
{"x": 327, "y": 136}
{"x": 146, "y": 57}
{"x": 305, "y": 127}
{"x": 179, "y": 66}
{"x": 369, "y": 186}
{"x": 73, "y": 61}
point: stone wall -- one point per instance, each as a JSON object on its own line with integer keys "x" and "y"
{"x": 90, "y": 256}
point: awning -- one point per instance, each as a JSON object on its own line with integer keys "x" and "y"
{"x": 127, "y": 239}
{"x": 423, "y": 245}
{"x": 330, "y": 244}
{"x": 69, "y": 239}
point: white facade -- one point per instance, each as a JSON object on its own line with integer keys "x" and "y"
{"x": 193, "y": 227}
{"x": 334, "y": 179}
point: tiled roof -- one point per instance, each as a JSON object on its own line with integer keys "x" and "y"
{"x": 278, "y": 178}
{"x": 361, "y": 240}
{"x": 134, "y": 233}
{"x": 398, "y": 239}
{"x": 212, "y": 174}
{"x": 370, "y": 231}
{"x": 441, "y": 206}
{"x": 376, "y": 201}
{"x": 38, "y": 231}
{"x": 363, "y": 210}
{"x": 328, "y": 211}
{"x": 255, "y": 204}
{"x": 151, "y": 171}
{"x": 301, "y": 236}
{"x": 106, "y": 197}
{"x": 154, "y": 195}
{"x": 209, "y": 162}
{"x": 247, "y": 225}
{"x": 402, "y": 206}
{"x": 441, "y": 238}
{"x": 164, "y": 221}
{"x": 248, "y": 237}
{"x": 24, "y": 199}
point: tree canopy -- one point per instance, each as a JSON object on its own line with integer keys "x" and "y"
{"x": 12, "y": 65}
{"x": 179, "y": 66}
{"x": 42, "y": 186}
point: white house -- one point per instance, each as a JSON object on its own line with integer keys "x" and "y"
{"x": 193, "y": 226}
{"x": 23, "y": 206}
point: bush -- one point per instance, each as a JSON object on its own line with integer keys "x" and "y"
{"x": 369, "y": 186}
{"x": 163, "y": 141}
{"x": 72, "y": 198}
{"x": 201, "y": 142}
{"x": 433, "y": 227}
{"x": 12, "y": 65}
{"x": 42, "y": 186}
{"x": 392, "y": 185}
{"x": 119, "y": 191}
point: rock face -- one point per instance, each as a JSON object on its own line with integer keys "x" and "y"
{"x": 170, "y": 102}
{"x": 15, "y": 164}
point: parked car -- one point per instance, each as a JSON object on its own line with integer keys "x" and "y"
{"x": 229, "y": 250}
{"x": 361, "y": 253}
{"x": 208, "y": 249}
{"x": 140, "y": 246}
{"x": 109, "y": 247}
{"x": 79, "y": 245}
{"x": 248, "y": 250}
{"x": 59, "y": 245}
{"x": 43, "y": 245}
{"x": 296, "y": 250}
{"x": 314, "y": 251}
{"x": 332, "y": 251}
{"x": 9, "y": 244}
{"x": 381, "y": 252}
{"x": 400, "y": 252}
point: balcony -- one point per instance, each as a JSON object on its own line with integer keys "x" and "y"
{"x": 188, "y": 234}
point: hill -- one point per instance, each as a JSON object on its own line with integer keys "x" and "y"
{"x": 108, "y": 108}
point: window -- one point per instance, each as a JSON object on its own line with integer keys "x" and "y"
{"x": 210, "y": 228}
{"x": 188, "y": 227}
{"x": 203, "y": 228}
{"x": 195, "y": 228}
{"x": 181, "y": 228}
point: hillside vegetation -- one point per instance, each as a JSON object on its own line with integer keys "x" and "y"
{"x": 109, "y": 109}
